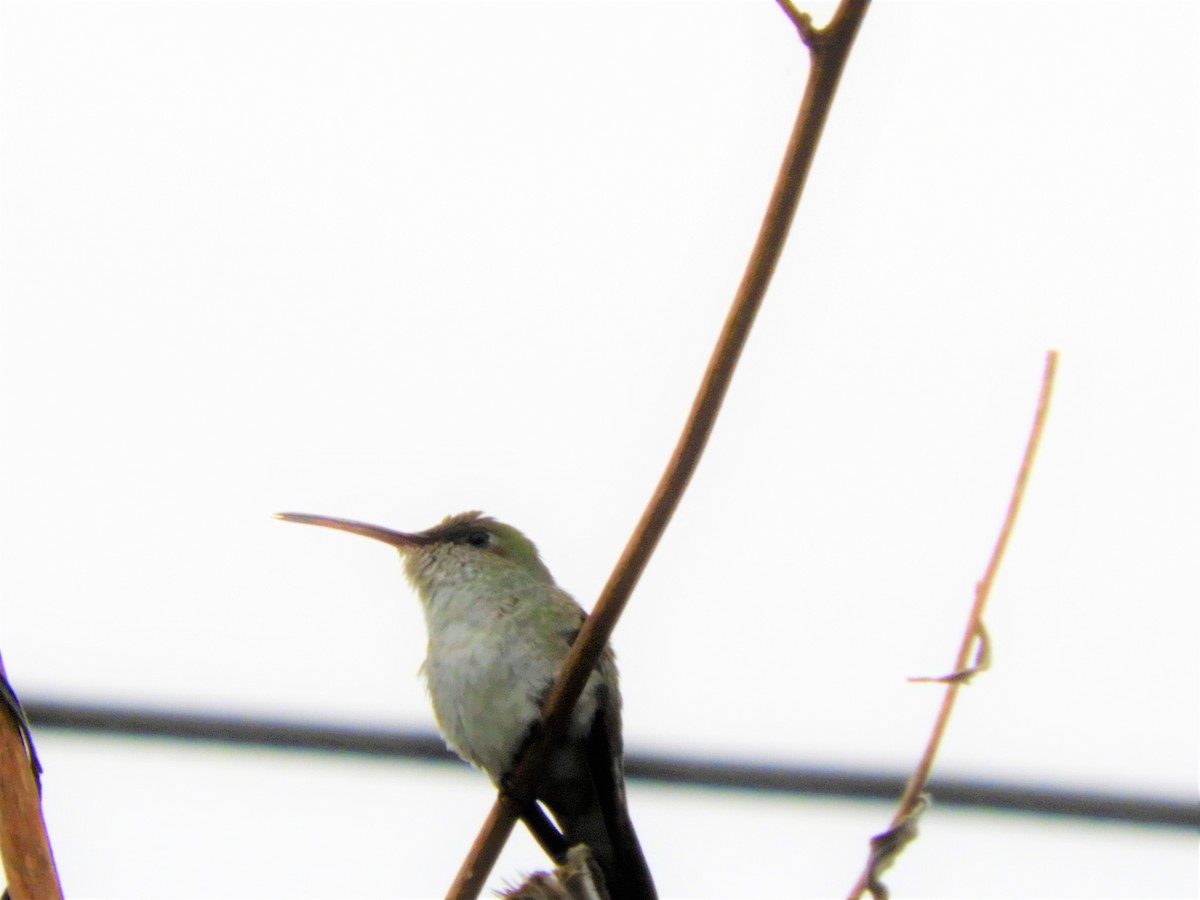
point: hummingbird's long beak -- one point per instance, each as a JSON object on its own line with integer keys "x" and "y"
{"x": 395, "y": 538}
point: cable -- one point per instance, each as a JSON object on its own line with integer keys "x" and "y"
{"x": 660, "y": 768}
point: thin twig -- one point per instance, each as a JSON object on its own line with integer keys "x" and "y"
{"x": 24, "y": 845}
{"x": 911, "y": 798}
{"x": 828, "y": 57}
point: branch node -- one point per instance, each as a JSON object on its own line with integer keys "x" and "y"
{"x": 809, "y": 33}
{"x": 981, "y": 663}
{"x": 886, "y": 846}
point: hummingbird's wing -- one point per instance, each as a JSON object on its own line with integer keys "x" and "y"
{"x": 585, "y": 790}
{"x": 606, "y": 763}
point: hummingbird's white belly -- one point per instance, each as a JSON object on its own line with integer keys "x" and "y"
{"x": 487, "y": 675}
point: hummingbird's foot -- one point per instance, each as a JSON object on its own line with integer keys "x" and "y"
{"x": 535, "y": 730}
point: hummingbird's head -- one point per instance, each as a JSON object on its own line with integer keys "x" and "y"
{"x": 461, "y": 549}
{"x": 468, "y": 546}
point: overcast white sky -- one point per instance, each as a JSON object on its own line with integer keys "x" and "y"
{"x": 396, "y": 260}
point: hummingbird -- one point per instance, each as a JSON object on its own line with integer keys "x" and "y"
{"x": 499, "y": 628}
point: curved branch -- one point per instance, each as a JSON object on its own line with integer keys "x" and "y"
{"x": 828, "y": 48}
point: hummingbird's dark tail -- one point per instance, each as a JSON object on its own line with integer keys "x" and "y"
{"x": 585, "y": 790}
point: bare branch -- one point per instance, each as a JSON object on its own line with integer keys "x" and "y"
{"x": 24, "y": 845}
{"x": 974, "y": 631}
{"x": 829, "y": 55}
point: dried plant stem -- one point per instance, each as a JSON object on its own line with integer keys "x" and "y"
{"x": 828, "y": 48}
{"x": 974, "y": 633}
{"x": 24, "y": 845}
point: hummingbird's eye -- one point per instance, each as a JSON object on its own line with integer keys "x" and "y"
{"x": 478, "y": 538}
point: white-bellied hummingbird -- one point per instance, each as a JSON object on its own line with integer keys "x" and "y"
{"x": 499, "y": 628}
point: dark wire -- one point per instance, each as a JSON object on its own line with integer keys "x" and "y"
{"x": 661, "y": 768}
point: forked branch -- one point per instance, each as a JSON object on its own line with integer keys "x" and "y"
{"x": 828, "y": 49}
